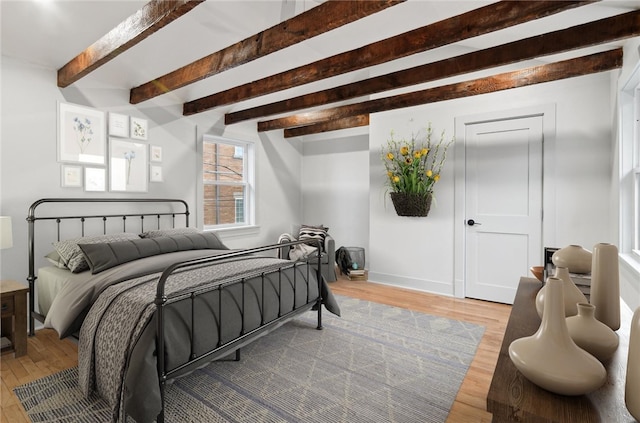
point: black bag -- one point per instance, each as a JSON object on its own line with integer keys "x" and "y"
{"x": 343, "y": 260}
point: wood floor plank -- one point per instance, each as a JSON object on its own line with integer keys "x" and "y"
{"x": 46, "y": 354}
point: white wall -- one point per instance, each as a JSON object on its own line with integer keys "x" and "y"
{"x": 418, "y": 252}
{"x": 29, "y": 169}
{"x": 335, "y": 185}
{"x": 339, "y": 181}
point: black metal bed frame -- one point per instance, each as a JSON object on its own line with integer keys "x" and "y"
{"x": 222, "y": 349}
{"x": 32, "y": 218}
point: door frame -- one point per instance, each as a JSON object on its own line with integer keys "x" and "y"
{"x": 548, "y": 113}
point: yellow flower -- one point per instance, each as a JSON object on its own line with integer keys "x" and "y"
{"x": 411, "y": 165}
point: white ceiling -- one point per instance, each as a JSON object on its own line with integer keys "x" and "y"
{"x": 49, "y": 33}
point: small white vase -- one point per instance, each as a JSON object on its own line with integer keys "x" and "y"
{"x": 592, "y": 335}
{"x": 605, "y": 284}
{"x": 573, "y": 257}
{"x": 550, "y": 359}
{"x": 572, "y": 294}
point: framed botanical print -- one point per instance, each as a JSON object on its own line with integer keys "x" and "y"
{"x": 138, "y": 128}
{"x": 71, "y": 176}
{"x": 81, "y": 134}
{"x": 155, "y": 173}
{"x": 128, "y": 166}
{"x": 156, "y": 153}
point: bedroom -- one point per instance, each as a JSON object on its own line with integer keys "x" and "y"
{"x": 312, "y": 181}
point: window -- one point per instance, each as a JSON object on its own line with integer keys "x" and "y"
{"x": 227, "y": 176}
{"x": 239, "y": 209}
{"x": 636, "y": 174}
{"x": 629, "y": 159}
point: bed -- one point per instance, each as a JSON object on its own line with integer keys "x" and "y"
{"x": 151, "y": 299}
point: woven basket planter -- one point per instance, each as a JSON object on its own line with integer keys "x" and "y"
{"x": 411, "y": 204}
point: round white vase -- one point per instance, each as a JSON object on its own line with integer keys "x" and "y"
{"x": 573, "y": 257}
{"x": 592, "y": 335}
{"x": 550, "y": 359}
{"x": 572, "y": 294}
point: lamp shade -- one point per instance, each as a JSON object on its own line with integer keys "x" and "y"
{"x": 6, "y": 234}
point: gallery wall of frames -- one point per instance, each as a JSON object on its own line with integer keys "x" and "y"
{"x": 100, "y": 151}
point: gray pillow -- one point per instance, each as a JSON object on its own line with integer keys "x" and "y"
{"x": 72, "y": 255}
{"x": 105, "y": 256}
{"x": 55, "y": 259}
{"x": 168, "y": 232}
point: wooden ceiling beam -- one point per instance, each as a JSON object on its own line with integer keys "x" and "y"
{"x": 152, "y": 17}
{"x": 584, "y": 65}
{"x": 476, "y": 22}
{"x": 333, "y": 125}
{"x": 317, "y": 20}
{"x": 605, "y": 30}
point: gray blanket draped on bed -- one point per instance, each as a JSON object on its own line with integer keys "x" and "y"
{"x": 117, "y": 341}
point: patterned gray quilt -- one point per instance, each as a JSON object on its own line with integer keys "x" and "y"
{"x": 116, "y": 351}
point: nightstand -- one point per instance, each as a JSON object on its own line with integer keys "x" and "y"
{"x": 14, "y": 316}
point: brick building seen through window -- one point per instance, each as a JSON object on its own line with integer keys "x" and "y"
{"x": 224, "y": 183}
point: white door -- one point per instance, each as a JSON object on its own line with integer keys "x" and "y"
{"x": 503, "y": 205}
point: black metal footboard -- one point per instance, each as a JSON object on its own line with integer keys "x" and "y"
{"x": 227, "y": 346}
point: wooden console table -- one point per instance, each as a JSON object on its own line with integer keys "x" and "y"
{"x": 512, "y": 398}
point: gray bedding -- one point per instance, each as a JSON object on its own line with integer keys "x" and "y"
{"x": 117, "y": 340}
{"x": 51, "y": 280}
{"x": 71, "y": 304}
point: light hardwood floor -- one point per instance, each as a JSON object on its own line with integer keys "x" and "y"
{"x": 47, "y": 354}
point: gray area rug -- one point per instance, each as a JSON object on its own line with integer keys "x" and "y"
{"x": 374, "y": 364}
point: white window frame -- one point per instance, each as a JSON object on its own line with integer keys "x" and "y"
{"x": 629, "y": 177}
{"x": 248, "y": 182}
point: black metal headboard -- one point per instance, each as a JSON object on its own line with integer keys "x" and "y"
{"x": 108, "y": 209}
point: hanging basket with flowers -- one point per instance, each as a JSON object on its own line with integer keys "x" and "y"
{"x": 413, "y": 167}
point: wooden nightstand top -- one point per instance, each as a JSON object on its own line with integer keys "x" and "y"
{"x": 9, "y": 287}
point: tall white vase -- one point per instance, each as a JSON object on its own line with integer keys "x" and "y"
{"x": 632, "y": 385}
{"x": 572, "y": 294}
{"x": 605, "y": 284}
{"x": 550, "y": 359}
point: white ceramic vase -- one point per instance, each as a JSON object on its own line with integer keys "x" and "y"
{"x": 550, "y": 359}
{"x": 573, "y": 257}
{"x": 632, "y": 385}
{"x": 572, "y": 294}
{"x": 605, "y": 284}
{"x": 592, "y": 335}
